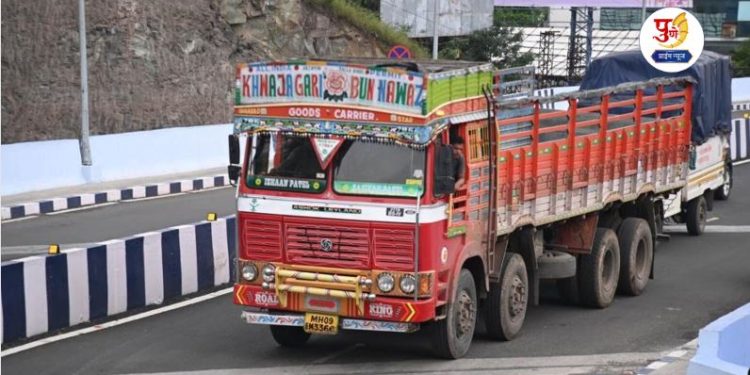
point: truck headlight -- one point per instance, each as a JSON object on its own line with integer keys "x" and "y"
{"x": 269, "y": 273}
{"x": 408, "y": 284}
{"x": 386, "y": 282}
{"x": 249, "y": 272}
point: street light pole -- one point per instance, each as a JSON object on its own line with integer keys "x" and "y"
{"x": 84, "y": 140}
{"x": 643, "y": 12}
{"x": 435, "y": 30}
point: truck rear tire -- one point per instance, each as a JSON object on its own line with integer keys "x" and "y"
{"x": 600, "y": 270}
{"x": 723, "y": 192}
{"x": 452, "y": 336}
{"x": 508, "y": 301}
{"x": 636, "y": 255}
{"x": 697, "y": 209}
{"x": 292, "y": 337}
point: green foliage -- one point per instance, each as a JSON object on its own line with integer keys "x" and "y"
{"x": 368, "y": 21}
{"x": 741, "y": 59}
{"x": 501, "y": 45}
{"x": 373, "y": 5}
{"x": 520, "y": 17}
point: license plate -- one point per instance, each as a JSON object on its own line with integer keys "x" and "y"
{"x": 321, "y": 324}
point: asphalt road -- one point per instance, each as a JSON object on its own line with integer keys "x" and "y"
{"x": 697, "y": 280}
{"x": 119, "y": 220}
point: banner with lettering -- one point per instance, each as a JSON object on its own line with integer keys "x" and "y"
{"x": 319, "y": 82}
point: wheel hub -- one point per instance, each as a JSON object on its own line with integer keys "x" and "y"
{"x": 465, "y": 311}
{"x": 517, "y": 297}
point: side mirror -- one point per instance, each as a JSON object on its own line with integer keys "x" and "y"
{"x": 233, "y": 170}
{"x": 234, "y": 149}
{"x": 444, "y": 183}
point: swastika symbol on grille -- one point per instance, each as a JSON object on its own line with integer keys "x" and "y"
{"x": 326, "y": 245}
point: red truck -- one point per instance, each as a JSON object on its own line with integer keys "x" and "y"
{"x": 349, "y": 216}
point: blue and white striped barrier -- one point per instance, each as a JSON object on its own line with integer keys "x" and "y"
{"x": 116, "y": 195}
{"x": 740, "y": 139}
{"x": 46, "y": 293}
{"x": 743, "y": 105}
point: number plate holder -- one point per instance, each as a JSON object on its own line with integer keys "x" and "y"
{"x": 322, "y": 324}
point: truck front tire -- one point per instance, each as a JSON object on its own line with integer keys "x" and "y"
{"x": 292, "y": 337}
{"x": 508, "y": 301}
{"x": 723, "y": 192}
{"x": 697, "y": 209}
{"x": 600, "y": 270}
{"x": 636, "y": 255}
{"x": 452, "y": 336}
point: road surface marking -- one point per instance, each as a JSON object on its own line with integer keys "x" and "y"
{"x": 577, "y": 364}
{"x": 710, "y": 229}
{"x": 20, "y": 218}
{"x": 82, "y": 208}
{"x": 114, "y": 323}
{"x": 712, "y": 219}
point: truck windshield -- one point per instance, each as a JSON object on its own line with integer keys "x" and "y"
{"x": 368, "y": 168}
{"x": 284, "y": 162}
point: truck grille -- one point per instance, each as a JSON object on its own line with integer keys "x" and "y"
{"x": 394, "y": 249}
{"x": 349, "y": 246}
{"x": 262, "y": 239}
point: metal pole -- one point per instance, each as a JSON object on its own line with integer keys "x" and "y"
{"x": 435, "y": 30}
{"x": 84, "y": 140}
{"x": 643, "y": 12}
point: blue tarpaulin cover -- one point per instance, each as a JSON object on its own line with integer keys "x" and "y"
{"x": 712, "y": 95}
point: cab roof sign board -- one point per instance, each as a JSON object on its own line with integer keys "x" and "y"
{"x": 392, "y": 89}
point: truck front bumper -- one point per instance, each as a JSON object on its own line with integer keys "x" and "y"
{"x": 298, "y": 320}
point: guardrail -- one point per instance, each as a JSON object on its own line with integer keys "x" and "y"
{"x": 47, "y": 293}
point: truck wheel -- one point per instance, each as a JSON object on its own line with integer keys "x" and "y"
{"x": 508, "y": 301}
{"x": 289, "y": 336}
{"x": 696, "y": 216}
{"x": 452, "y": 335}
{"x": 636, "y": 255}
{"x": 599, "y": 271}
{"x": 722, "y": 193}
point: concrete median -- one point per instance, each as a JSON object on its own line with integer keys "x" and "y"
{"x": 724, "y": 346}
{"x": 47, "y": 293}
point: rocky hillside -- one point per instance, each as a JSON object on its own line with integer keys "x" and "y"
{"x": 152, "y": 64}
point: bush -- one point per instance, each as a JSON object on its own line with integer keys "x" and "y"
{"x": 369, "y": 21}
{"x": 741, "y": 59}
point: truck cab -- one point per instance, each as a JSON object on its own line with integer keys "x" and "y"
{"x": 348, "y": 217}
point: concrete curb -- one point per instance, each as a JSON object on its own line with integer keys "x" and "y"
{"x": 115, "y": 195}
{"x": 675, "y": 362}
{"x": 46, "y": 293}
{"x": 724, "y": 345}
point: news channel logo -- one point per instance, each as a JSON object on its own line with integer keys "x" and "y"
{"x": 671, "y": 39}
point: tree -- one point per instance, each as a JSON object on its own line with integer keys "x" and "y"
{"x": 501, "y": 45}
{"x": 520, "y": 17}
{"x": 741, "y": 59}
